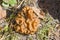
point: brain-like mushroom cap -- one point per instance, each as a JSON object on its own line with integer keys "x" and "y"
{"x": 26, "y": 21}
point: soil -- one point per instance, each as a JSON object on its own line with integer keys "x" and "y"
{"x": 53, "y": 7}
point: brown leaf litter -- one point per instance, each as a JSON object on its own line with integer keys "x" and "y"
{"x": 2, "y": 15}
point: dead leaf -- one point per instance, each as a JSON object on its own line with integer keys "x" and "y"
{"x": 2, "y": 13}
{"x": 39, "y": 12}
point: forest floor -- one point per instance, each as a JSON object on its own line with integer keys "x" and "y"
{"x": 49, "y": 28}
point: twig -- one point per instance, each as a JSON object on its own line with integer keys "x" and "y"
{"x": 20, "y": 4}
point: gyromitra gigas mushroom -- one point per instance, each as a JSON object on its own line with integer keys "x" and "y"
{"x": 26, "y": 21}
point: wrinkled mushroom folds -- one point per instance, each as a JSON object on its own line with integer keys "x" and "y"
{"x": 26, "y": 21}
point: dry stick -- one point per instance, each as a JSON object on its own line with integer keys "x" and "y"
{"x": 20, "y": 4}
